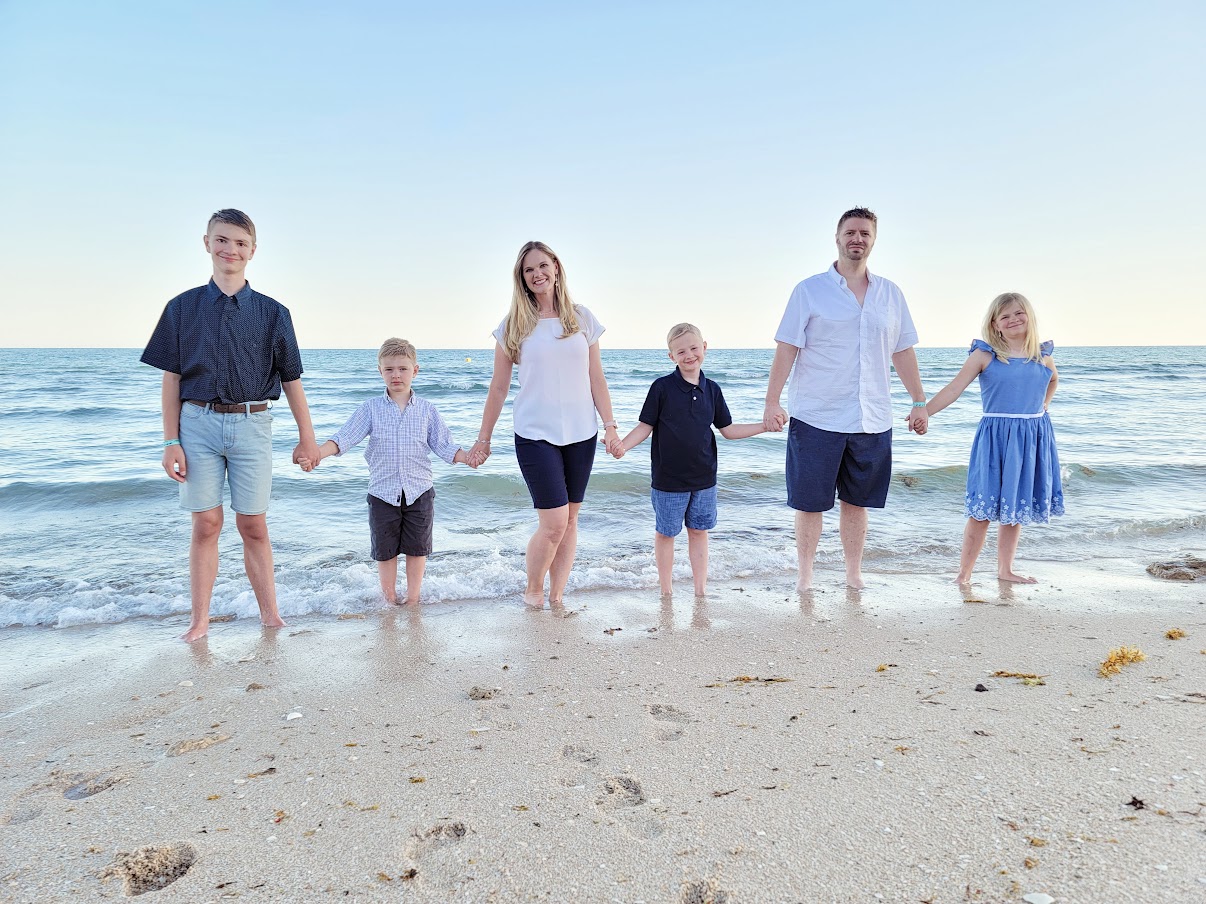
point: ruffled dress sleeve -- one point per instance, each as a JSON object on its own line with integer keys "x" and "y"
{"x": 979, "y": 345}
{"x": 1047, "y": 348}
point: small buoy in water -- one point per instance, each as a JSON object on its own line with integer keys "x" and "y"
{"x": 468, "y": 360}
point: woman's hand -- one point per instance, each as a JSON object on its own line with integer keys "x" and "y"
{"x": 611, "y": 439}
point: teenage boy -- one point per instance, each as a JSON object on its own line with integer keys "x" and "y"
{"x": 226, "y": 352}
{"x": 402, "y": 429}
{"x": 680, "y": 411}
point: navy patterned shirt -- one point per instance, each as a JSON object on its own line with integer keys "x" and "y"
{"x": 226, "y": 349}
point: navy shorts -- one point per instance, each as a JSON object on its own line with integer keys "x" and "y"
{"x": 555, "y": 475}
{"x": 401, "y": 530}
{"x": 857, "y": 465}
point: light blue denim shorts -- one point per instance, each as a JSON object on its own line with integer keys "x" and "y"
{"x": 220, "y": 445}
{"x": 697, "y": 509}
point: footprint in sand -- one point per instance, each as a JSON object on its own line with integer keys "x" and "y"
{"x": 439, "y": 835}
{"x": 579, "y": 753}
{"x": 623, "y": 795}
{"x": 671, "y": 721}
{"x": 150, "y": 868}
{"x": 703, "y": 892}
{"x": 84, "y": 785}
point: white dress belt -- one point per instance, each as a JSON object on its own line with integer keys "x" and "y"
{"x": 999, "y": 414}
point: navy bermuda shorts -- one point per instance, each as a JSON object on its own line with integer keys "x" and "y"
{"x": 555, "y": 475}
{"x": 857, "y": 466}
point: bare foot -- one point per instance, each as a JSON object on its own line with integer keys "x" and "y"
{"x": 701, "y": 592}
{"x": 391, "y": 597}
{"x": 803, "y": 586}
{"x": 195, "y": 632}
{"x": 963, "y": 580}
{"x": 855, "y": 582}
{"x": 274, "y": 621}
{"x": 412, "y": 601}
{"x": 1013, "y": 578}
{"x": 534, "y": 600}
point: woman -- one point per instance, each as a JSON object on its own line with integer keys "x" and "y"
{"x": 561, "y": 385}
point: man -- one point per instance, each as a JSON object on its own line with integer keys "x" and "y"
{"x": 841, "y": 333}
{"x": 225, "y": 351}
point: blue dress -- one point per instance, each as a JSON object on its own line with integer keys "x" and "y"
{"x": 1013, "y": 475}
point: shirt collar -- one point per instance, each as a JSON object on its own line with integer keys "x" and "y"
{"x": 414, "y": 396}
{"x": 841, "y": 280}
{"x": 681, "y": 382}
{"x": 213, "y": 293}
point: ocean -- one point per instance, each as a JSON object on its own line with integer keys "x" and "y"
{"x": 91, "y": 532}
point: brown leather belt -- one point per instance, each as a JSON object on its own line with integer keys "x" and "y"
{"x": 223, "y": 408}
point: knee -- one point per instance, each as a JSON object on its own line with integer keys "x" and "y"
{"x": 253, "y": 528}
{"x": 552, "y": 530}
{"x": 207, "y": 525}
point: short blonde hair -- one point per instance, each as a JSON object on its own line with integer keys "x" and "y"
{"x": 681, "y": 329}
{"x": 394, "y": 347}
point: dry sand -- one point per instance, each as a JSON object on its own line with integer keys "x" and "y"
{"x": 479, "y": 752}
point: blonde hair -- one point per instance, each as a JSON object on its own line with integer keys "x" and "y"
{"x": 524, "y": 313}
{"x": 394, "y": 347}
{"x": 681, "y": 329}
{"x": 1031, "y": 347}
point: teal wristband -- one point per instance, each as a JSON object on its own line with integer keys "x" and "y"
{"x": 171, "y": 442}
{"x": 919, "y": 404}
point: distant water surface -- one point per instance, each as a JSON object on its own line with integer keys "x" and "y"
{"x": 91, "y": 531}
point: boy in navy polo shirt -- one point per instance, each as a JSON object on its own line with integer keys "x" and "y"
{"x": 680, "y": 411}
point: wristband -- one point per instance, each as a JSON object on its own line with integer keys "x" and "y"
{"x": 919, "y": 404}
{"x": 171, "y": 442}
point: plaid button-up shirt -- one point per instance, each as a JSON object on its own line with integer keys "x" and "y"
{"x": 397, "y": 450}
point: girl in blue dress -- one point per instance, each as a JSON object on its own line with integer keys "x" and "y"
{"x": 1013, "y": 475}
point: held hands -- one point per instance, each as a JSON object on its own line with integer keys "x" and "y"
{"x": 174, "y": 463}
{"x": 307, "y": 455}
{"x": 615, "y": 445}
{"x": 918, "y": 421}
{"x": 774, "y": 418}
{"x": 478, "y": 454}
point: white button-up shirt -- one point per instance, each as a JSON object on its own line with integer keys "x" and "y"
{"x": 399, "y": 440}
{"x": 841, "y": 378}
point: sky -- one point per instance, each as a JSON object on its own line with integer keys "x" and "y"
{"x": 687, "y": 161}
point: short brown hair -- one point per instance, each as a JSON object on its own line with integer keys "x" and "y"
{"x": 681, "y": 329}
{"x": 232, "y": 217}
{"x": 859, "y": 213}
{"x": 394, "y": 347}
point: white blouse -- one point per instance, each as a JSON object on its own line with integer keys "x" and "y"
{"x": 554, "y": 402}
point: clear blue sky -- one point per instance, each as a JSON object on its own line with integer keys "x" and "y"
{"x": 686, "y": 160}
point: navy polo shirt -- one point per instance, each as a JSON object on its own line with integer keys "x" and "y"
{"x": 226, "y": 348}
{"x": 682, "y": 416}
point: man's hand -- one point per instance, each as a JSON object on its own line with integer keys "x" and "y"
{"x": 774, "y": 418}
{"x": 918, "y": 421}
{"x": 174, "y": 463}
{"x": 307, "y": 451}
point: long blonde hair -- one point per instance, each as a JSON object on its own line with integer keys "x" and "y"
{"x": 1031, "y": 347}
{"x": 524, "y": 313}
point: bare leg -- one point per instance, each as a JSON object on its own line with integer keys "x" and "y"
{"x": 387, "y": 571}
{"x": 541, "y": 550}
{"x": 853, "y": 527}
{"x": 415, "y": 566}
{"x": 663, "y": 556}
{"x": 257, "y": 559}
{"x": 202, "y": 569}
{"x": 697, "y": 549}
{"x": 974, "y": 533}
{"x": 808, "y": 535}
{"x": 559, "y": 571}
{"x": 1007, "y": 547}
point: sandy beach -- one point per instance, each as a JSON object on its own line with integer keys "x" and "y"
{"x": 753, "y": 747}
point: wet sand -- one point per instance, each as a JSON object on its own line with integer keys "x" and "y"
{"x": 753, "y": 747}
